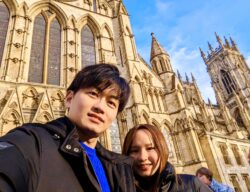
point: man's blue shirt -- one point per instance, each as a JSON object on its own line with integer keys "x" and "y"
{"x": 97, "y": 167}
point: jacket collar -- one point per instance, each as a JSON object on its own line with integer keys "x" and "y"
{"x": 67, "y": 133}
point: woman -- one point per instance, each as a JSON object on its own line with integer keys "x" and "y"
{"x": 153, "y": 173}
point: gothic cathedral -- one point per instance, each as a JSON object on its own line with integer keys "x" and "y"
{"x": 43, "y": 43}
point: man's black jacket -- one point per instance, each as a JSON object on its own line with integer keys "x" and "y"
{"x": 48, "y": 157}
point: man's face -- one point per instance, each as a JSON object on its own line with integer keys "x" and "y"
{"x": 203, "y": 179}
{"x": 92, "y": 111}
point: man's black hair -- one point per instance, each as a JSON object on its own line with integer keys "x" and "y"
{"x": 102, "y": 76}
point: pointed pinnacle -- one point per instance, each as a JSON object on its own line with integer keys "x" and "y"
{"x": 218, "y": 39}
{"x": 202, "y": 54}
{"x": 179, "y": 75}
{"x": 193, "y": 78}
{"x": 226, "y": 41}
{"x": 187, "y": 79}
{"x": 210, "y": 47}
{"x": 209, "y": 101}
{"x": 233, "y": 44}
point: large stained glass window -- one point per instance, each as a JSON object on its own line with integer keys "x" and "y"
{"x": 37, "y": 50}
{"x": 4, "y": 22}
{"x": 88, "y": 47}
{"x": 45, "y": 59}
{"x": 54, "y": 60}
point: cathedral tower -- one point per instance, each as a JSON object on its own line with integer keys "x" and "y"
{"x": 230, "y": 77}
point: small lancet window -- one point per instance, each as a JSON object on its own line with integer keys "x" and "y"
{"x": 227, "y": 82}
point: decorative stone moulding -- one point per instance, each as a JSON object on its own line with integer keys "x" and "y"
{"x": 71, "y": 69}
{"x": 15, "y": 60}
{"x": 17, "y": 45}
{"x": 71, "y": 55}
{"x": 72, "y": 42}
{"x": 19, "y": 31}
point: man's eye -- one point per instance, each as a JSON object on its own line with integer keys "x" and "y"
{"x": 93, "y": 93}
{"x": 112, "y": 104}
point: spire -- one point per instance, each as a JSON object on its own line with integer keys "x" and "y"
{"x": 187, "y": 79}
{"x": 227, "y": 43}
{"x": 209, "y": 101}
{"x": 210, "y": 47}
{"x": 156, "y": 48}
{"x": 203, "y": 55}
{"x": 218, "y": 39}
{"x": 179, "y": 75}
{"x": 233, "y": 44}
{"x": 193, "y": 79}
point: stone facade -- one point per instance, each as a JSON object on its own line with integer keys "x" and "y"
{"x": 44, "y": 43}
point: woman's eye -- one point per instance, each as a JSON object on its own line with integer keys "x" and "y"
{"x": 150, "y": 148}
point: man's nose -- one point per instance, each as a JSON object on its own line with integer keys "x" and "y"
{"x": 99, "y": 105}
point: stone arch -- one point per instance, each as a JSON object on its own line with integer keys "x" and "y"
{"x": 145, "y": 118}
{"x": 12, "y": 5}
{"x": 168, "y": 124}
{"x": 10, "y": 120}
{"x": 72, "y": 21}
{"x": 87, "y": 24}
{"x": 91, "y": 22}
{"x": 156, "y": 123}
{"x": 40, "y": 6}
{"x": 44, "y": 117}
{"x": 107, "y": 42}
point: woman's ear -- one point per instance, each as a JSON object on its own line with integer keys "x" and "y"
{"x": 68, "y": 98}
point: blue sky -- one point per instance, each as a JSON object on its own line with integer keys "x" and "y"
{"x": 182, "y": 26}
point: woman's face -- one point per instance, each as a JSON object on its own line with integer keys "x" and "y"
{"x": 144, "y": 153}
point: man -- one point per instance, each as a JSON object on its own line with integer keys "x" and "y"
{"x": 64, "y": 155}
{"x": 206, "y": 177}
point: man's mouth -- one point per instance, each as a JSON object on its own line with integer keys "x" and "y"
{"x": 92, "y": 115}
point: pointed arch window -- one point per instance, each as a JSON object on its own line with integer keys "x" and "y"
{"x": 54, "y": 60}
{"x": 4, "y": 22}
{"x": 45, "y": 59}
{"x": 88, "y": 47}
{"x": 227, "y": 82}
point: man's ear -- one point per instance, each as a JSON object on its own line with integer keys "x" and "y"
{"x": 68, "y": 98}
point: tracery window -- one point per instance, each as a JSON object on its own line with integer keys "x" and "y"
{"x": 247, "y": 181}
{"x": 235, "y": 183}
{"x": 227, "y": 82}
{"x": 88, "y": 47}
{"x": 4, "y": 22}
{"x": 236, "y": 153}
{"x": 45, "y": 59}
{"x": 224, "y": 153}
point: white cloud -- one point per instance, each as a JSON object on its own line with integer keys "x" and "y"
{"x": 162, "y": 6}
